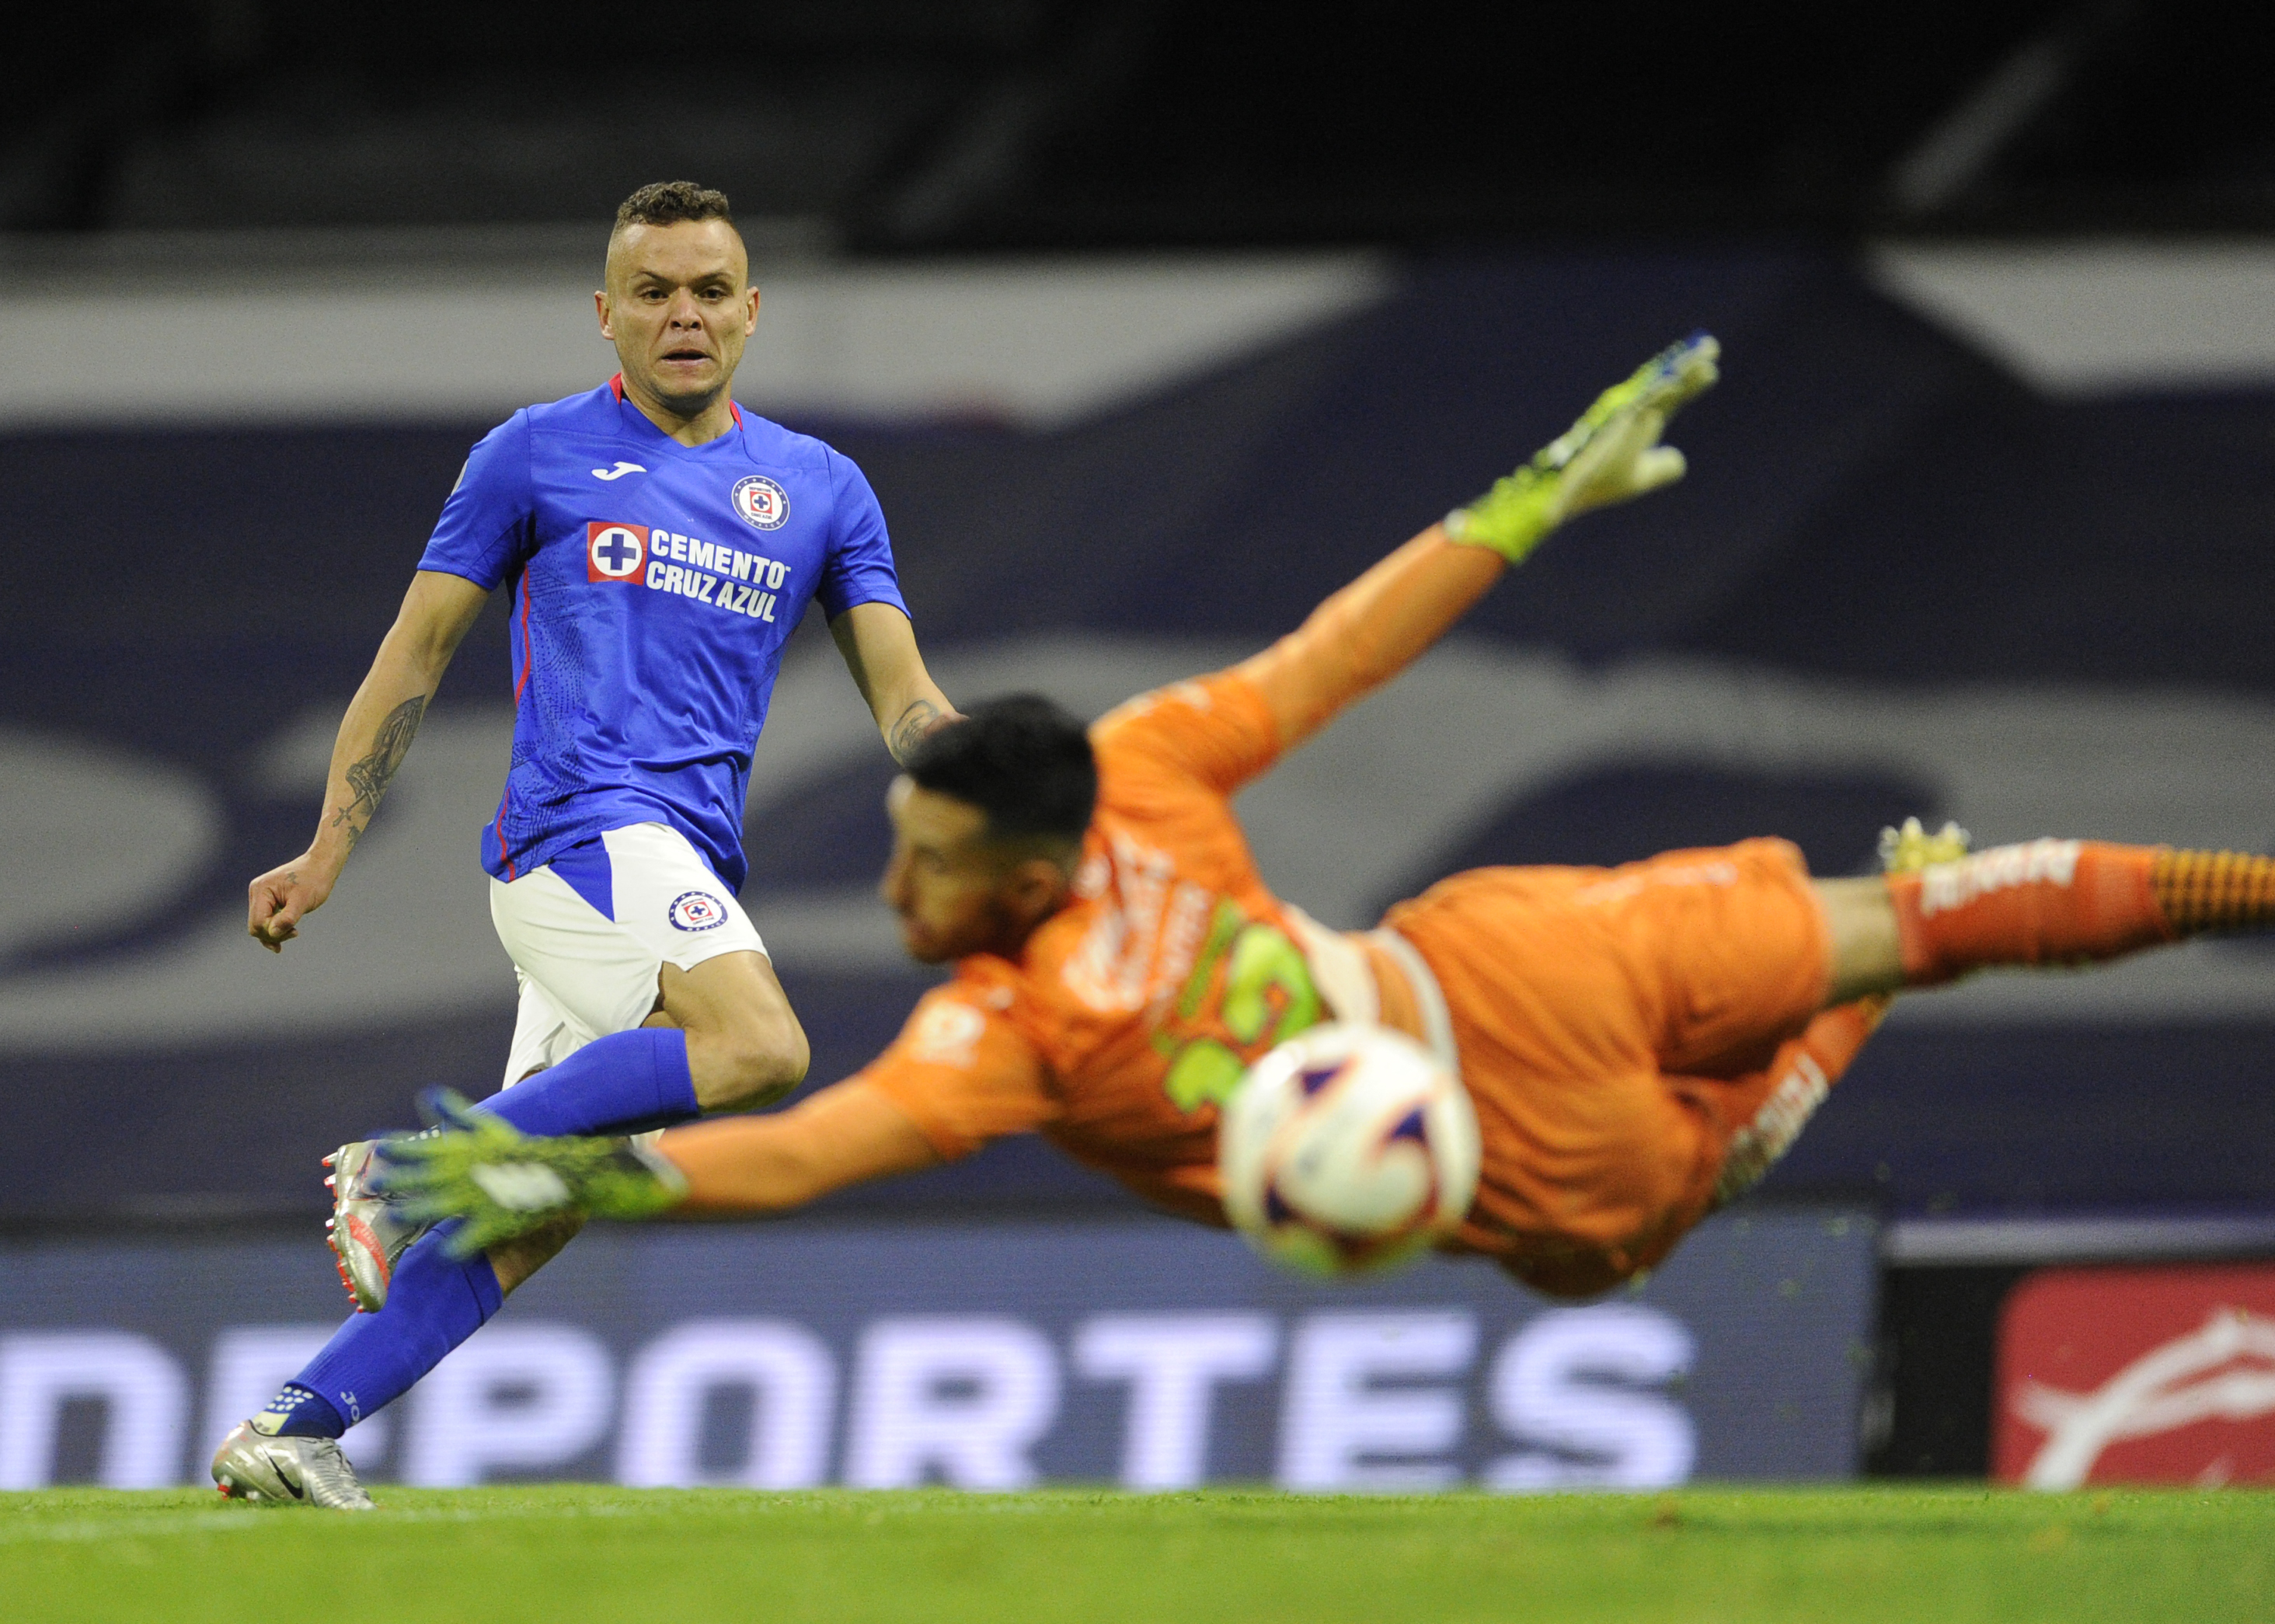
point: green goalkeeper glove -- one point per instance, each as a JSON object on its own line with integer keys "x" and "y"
{"x": 503, "y": 1182}
{"x": 1610, "y": 454}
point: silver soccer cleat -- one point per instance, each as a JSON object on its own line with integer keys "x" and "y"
{"x": 303, "y": 1471}
{"x": 363, "y": 1231}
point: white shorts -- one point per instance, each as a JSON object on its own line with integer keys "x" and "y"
{"x": 590, "y": 931}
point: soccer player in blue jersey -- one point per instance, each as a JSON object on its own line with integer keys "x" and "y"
{"x": 659, "y": 546}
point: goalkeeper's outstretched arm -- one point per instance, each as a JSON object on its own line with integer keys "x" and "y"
{"x": 846, "y": 1134}
{"x": 1375, "y": 627}
{"x": 499, "y": 1182}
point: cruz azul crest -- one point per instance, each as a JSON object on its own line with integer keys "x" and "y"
{"x": 761, "y": 502}
{"x": 698, "y": 910}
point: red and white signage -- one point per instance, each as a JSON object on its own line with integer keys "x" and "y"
{"x": 2137, "y": 1375}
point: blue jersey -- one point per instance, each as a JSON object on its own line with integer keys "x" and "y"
{"x": 653, "y": 586}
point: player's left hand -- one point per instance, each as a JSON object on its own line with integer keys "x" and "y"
{"x": 1611, "y": 455}
{"x": 501, "y": 1182}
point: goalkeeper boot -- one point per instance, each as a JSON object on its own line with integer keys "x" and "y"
{"x": 307, "y": 1471}
{"x": 1911, "y": 849}
{"x": 367, "y": 1230}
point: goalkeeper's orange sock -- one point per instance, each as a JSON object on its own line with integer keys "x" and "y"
{"x": 2066, "y": 902}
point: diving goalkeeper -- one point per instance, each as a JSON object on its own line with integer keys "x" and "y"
{"x": 1640, "y": 1043}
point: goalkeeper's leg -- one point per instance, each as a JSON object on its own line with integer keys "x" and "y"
{"x": 2047, "y": 903}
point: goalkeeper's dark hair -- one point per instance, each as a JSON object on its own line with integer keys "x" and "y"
{"x": 1023, "y": 760}
{"x": 668, "y": 202}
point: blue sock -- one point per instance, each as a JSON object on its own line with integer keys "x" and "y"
{"x": 299, "y": 1412}
{"x": 433, "y": 1304}
{"x": 626, "y": 1083}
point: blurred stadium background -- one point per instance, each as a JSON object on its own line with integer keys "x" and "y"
{"x": 1151, "y": 323}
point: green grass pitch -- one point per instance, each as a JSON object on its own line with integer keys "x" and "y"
{"x": 559, "y": 1554}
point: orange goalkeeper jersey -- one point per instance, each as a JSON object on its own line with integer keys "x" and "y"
{"x": 1131, "y": 1012}
{"x": 1615, "y": 1028}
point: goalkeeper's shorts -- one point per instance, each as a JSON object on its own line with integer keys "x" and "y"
{"x": 1616, "y": 1028}
{"x": 592, "y": 930}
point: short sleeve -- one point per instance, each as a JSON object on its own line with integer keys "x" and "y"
{"x": 1217, "y": 729}
{"x": 963, "y": 1073}
{"x": 489, "y": 520}
{"x": 860, "y": 566}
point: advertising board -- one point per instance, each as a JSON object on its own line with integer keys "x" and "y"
{"x": 2137, "y": 1375}
{"x": 985, "y": 1355}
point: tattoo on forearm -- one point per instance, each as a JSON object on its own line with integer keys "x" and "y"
{"x": 367, "y": 779}
{"x": 914, "y": 723}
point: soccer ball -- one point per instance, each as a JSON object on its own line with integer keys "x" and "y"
{"x": 1347, "y": 1150}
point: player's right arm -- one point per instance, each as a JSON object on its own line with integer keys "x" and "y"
{"x": 1372, "y": 628}
{"x": 374, "y": 737}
